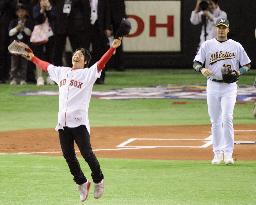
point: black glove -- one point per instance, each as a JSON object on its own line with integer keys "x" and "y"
{"x": 229, "y": 75}
{"x": 124, "y": 28}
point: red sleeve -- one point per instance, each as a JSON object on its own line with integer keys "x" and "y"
{"x": 105, "y": 58}
{"x": 43, "y": 65}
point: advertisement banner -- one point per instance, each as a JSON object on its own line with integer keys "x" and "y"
{"x": 155, "y": 26}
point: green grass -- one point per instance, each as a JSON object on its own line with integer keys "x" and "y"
{"x": 158, "y": 112}
{"x": 19, "y": 112}
{"x": 30, "y": 180}
{"x": 43, "y": 180}
{"x": 41, "y": 112}
{"x": 141, "y": 78}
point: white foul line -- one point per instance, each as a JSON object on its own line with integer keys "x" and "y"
{"x": 208, "y": 141}
{"x": 173, "y": 139}
{"x": 126, "y": 142}
{"x": 124, "y": 145}
{"x": 60, "y": 152}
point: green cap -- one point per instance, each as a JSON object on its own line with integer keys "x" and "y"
{"x": 222, "y": 22}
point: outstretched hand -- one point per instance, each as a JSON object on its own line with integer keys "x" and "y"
{"x": 117, "y": 42}
{"x": 29, "y": 56}
{"x": 20, "y": 48}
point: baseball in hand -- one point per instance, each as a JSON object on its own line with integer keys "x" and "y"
{"x": 29, "y": 56}
{"x": 206, "y": 72}
{"x": 117, "y": 42}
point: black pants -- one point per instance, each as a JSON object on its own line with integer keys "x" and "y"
{"x": 81, "y": 136}
{"x": 4, "y": 57}
{"x": 18, "y": 68}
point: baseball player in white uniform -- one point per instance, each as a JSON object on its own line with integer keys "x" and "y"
{"x": 212, "y": 56}
{"x": 75, "y": 89}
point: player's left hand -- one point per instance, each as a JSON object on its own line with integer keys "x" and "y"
{"x": 229, "y": 75}
{"x": 117, "y": 42}
{"x": 29, "y": 56}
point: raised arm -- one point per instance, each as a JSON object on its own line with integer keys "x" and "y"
{"x": 195, "y": 17}
{"x": 22, "y": 49}
{"x": 43, "y": 65}
{"x": 105, "y": 58}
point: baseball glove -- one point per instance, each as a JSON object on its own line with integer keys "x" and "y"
{"x": 19, "y": 48}
{"x": 229, "y": 75}
{"x": 124, "y": 28}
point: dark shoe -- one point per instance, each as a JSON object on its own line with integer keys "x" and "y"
{"x": 99, "y": 81}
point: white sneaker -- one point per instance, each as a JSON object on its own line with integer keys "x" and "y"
{"x": 98, "y": 189}
{"x": 84, "y": 190}
{"x": 13, "y": 82}
{"x": 40, "y": 81}
{"x": 217, "y": 159}
{"x": 23, "y": 82}
{"x": 228, "y": 159}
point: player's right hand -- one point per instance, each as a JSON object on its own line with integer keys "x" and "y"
{"x": 117, "y": 42}
{"x": 206, "y": 72}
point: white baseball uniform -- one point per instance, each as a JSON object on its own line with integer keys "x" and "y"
{"x": 196, "y": 18}
{"x": 221, "y": 97}
{"x": 75, "y": 88}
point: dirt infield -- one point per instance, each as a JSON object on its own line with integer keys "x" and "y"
{"x": 154, "y": 142}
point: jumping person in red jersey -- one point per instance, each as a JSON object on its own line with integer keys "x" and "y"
{"x": 75, "y": 89}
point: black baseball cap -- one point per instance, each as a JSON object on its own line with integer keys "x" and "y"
{"x": 222, "y": 22}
